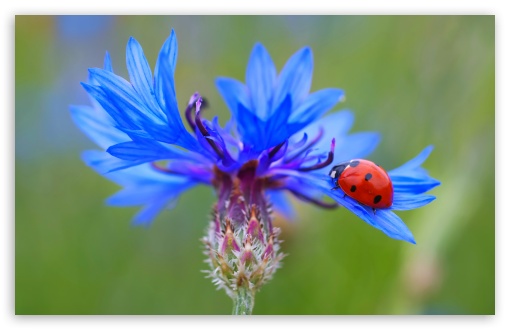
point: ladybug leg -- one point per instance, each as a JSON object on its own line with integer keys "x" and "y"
{"x": 373, "y": 209}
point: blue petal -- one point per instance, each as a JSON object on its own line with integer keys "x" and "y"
{"x": 165, "y": 95}
{"x": 120, "y": 94}
{"x": 316, "y": 104}
{"x": 172, "y": 135}
{"x": 164, "y": 76}
{"x": 404, "y": 202}
{"x": 413, "y": 164}
{"x": 251, "y": 128}
{"x": 139, "y": 193}
{"x": 141, "y": 76}
{"x": 393, "y": 226}
{"x": 103, "y": 163}
{"x": 168, "y": 52}
{"x": 145, "y": 151}
{"x": 383, "y": 219}
{"x": 142, "y": 186}
{"x": 134, "y": 107}
{"x": 104, "y": 101}
{"x": 281, "y": 204}
{"x": 97, "y": 125}
{"x": 107, "y": 65}
{"x": 411, "y": 178}
{"x": 296, "y": 78}
{"x": 235, "y": 95}
{"x": 139, "y": 135}
{"x": 262, "y": 135}
{"x": 357, "y": 145}
{"x": 277, "y": 129}
{"x": 413, "y": 185}
{"x": 364, "y": 213}
{"x": 264, "y": 163}
{"x": 146, "y": 216}
{"x": 260, "y": 80}
{"x": 334, "y": 125}
{"x": 154, "y": 195}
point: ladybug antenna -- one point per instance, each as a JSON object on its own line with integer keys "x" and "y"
{"x": 327, "y": 162}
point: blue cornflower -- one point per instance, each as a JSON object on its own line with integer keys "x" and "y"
{"x": 278, "y": 133}
{"x": 279, "y": 142}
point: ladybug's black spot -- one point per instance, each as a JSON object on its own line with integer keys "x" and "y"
{"x": 368, "y": 176}
{"x": 353, "y": 188}
{"x": 377, "y": 199}
{"x": 354, "y": 163}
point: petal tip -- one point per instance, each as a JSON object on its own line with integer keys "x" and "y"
{"x": 342, "y": 97}
{"x": 258, "y": 47}
{"x": 140, "y": 223}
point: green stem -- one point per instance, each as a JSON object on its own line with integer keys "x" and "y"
{"x": 243, "y": 301}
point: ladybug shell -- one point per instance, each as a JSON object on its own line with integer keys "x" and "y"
{"x": 365, "y": 182}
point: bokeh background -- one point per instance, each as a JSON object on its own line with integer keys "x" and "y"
{"x": 418, "y": 80}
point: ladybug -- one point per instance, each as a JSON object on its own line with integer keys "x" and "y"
{"x": 365, "y": 182}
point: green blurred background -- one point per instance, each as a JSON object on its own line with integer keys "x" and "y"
{"x": 418, "y": 80}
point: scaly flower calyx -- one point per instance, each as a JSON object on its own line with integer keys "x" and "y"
{"x": 241, "y": 244}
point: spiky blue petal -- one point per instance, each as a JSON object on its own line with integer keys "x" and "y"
{"x": 97, "y": 125}
{"x": 235, "y": 95}
{"x": 140, "y": 76}
{"x": 275, "y": 123}
{"x": 107, "y": 64}
{"x": 141, "y": 186}
{"x": 356, "y": 145}
{"x": 165, "y": 95}
{"x": 121, "y": 95}
{"x": 270, "y": 109}
{"x": 316, "y": 105}
{"x": 411, "y": 178}
{"x": 405, "y": 202}
{"x": 145, "y": 151}
{"x": 260, "y": 81}
{"x": 390, "y": 224}
{"x": 295, "y": 79}
{"x": 121, "y": 118}
{"x": 105, "y": 163}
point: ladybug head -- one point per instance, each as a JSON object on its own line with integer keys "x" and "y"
{"x": 337, "y": 170}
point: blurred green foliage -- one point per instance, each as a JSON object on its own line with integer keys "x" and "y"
{"x": 418, "y": 80}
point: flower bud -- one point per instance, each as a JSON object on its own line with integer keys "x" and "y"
{"x": 242, "y": 252}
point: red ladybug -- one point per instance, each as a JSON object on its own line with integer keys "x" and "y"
{"x": 365, "y": 182}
